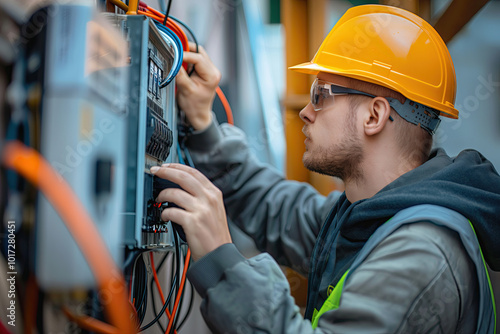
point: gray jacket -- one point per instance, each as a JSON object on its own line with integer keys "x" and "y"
{"x": 417, "y": 280}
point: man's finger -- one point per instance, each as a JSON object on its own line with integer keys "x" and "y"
{"x": 193, "y": 57}
{"x": 202, "y": 50}
{"x": 192, "y": 47}
{"x": 181, "y": 177}
{"x": 177, "y": 196}
{"x": 175, "y": 215}
{"x": 203, "y": 64}
{"x": 191, "y": 171}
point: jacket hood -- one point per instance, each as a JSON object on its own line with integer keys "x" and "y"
{"x": 467, "y": 183}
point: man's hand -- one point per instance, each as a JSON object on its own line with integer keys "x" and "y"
{"x": 204, "y": 217}
{"x": 196, "y": 93}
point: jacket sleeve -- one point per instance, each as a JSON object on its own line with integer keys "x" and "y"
{"x": 246, "y": 295}
{"x": 415, "y": 281}
{"x": 283, "y": 217}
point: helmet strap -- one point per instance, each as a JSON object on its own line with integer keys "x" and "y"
{"x": 417, "y": 114}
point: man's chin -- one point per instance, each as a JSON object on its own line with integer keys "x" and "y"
{"x": 309, "y": 162}
{"x": 306, "y": 159}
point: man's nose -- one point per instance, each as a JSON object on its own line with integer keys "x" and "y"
{"x": 307, "y": 114}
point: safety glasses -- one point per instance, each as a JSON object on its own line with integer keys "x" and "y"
{"x": 323, "y": 93}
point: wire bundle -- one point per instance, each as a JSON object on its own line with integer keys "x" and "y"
{"x": 170, "y": 35}
{"x": 170, "y": 22}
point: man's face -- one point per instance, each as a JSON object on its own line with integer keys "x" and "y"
{"x": 333, "y": 146}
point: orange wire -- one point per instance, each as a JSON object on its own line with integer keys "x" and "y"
{"x": 179, "y": 293}
{"x": 158, "y": 286}
{"x": 175, "y": 28}
{"x": 151, "y": 15}
{"x": 89, "y": 323}
{"x": 225, "y": 104}
{"x": 32, "y": 166}
{"x": 171, "y": 25}
{"x": 156, "y": 278}
{"x": 154, "y": 11}
{"x": 160, "y": 17}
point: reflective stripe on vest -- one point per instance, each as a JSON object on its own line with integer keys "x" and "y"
{"x": 332, "y": 302}
{"x": 441, "y": 217}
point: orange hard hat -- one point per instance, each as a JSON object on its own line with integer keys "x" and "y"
{"x": 390, "y": 47}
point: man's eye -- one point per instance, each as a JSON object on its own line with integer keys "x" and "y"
{"x": 324, "y": 93}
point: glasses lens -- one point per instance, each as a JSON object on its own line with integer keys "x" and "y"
{"x": 319, "y": 93}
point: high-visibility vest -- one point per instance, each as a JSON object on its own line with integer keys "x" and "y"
{"x": 440, "y": 216}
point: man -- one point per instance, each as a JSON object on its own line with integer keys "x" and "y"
{"x": 395, "y": 252}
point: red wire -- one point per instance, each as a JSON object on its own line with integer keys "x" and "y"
{"x": 179, "y": 293}
{"x": 158, "y": 285}
{"x": 160, "y": 17}
{"x": 225, "y": 104}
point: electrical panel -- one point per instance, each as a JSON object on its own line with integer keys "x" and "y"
{"x": 79, "y": 61}
{"x": 151, "y": 123}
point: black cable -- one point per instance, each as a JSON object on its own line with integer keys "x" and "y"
{"x": 191, "y": 299}
{"x": 162, "y": 310}
{"x": 177, "y": 266}
{"x": 178, "y": 259}
{"x": 152, "y": 289}
{"x": 191, "y": 33}
{"x": 138, "y": 275}
{"x": 185, "y": 26}
{"x": 145, "y": 297}
{"x": 40, "y": 313}
{"x": 172, "y": 269}
{"x": 135, "y": 257}
{"x": 131, "y": 258}
{"x": 142, "y": 290}
{"x": 156, "y": 314}
{"x": 181, "y": 299}
{"x": 166, "y": 13}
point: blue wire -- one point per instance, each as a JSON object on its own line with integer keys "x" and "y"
{"x": 188, "y": 157}
{"x": 179, "y": 54}
{"x": 179, "y": 154}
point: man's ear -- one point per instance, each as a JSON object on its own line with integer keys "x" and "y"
{"x": 377, "y": 115}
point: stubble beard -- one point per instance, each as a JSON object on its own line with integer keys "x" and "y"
{"x": 342, "y": 160}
